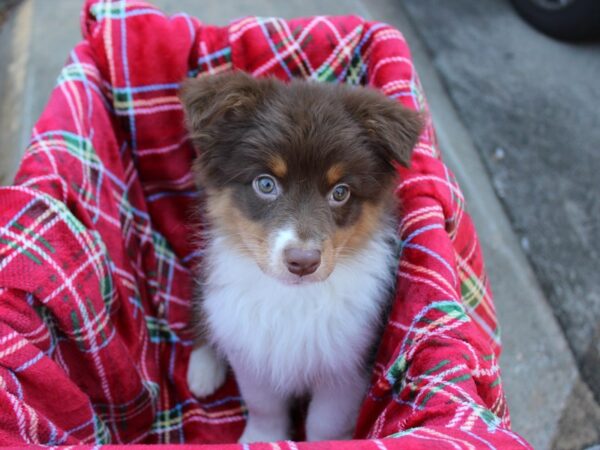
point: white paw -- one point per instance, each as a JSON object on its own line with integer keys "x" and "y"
{"x": 206, "y": 372}
{"x": 255, "y": 434}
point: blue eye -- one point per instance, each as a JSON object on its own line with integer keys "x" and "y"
{"x": 339, "y": 195}
{"x": 266, "y": 187}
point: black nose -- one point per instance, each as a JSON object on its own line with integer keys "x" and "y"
{"x": 302, "y": 262}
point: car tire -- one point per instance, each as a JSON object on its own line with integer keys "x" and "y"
{"x": 571, "y": 20}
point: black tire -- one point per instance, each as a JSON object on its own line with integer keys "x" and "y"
{"x": 574, "y": 20}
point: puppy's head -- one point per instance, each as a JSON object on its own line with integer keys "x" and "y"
{"x": 298, "y": 176}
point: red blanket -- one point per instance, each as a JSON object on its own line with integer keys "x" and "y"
{"x": 96, "y": 255}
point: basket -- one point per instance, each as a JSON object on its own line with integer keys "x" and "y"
{"x": 96, "y": 257}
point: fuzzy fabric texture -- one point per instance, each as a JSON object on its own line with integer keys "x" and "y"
{"x": 96, "y": 256}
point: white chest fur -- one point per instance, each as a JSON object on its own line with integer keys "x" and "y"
{"x": 297, "y": 336}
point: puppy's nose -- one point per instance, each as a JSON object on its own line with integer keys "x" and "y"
{"x": 302, "y": 262}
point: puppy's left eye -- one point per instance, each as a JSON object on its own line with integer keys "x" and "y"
{"x": 339, "y": 195}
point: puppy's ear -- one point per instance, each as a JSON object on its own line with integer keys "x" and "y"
{"x": 392, "y": 129}
{"x": 212, "y": 97}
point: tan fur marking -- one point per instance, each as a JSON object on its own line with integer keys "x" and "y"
{"x": 334, "y": 174}
{"x": 350, "y": 239}
{"x": 328, "y": 258}
{"x": 278, "y": 167}
{"x": 249, "y": 237}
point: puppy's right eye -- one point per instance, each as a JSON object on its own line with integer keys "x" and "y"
{"x": 266, "y": 187}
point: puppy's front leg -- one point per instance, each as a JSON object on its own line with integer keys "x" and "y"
{"x": 333, "y": 410}
{"x": 206, "y": 371}
{"x": 268, "y": 412}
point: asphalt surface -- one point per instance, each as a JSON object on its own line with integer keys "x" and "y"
{"x": 497, "y": 97}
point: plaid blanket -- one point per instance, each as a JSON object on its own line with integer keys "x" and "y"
{"x": 96, "y": 257}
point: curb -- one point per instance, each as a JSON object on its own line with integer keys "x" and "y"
{"x": 15, "y": 35}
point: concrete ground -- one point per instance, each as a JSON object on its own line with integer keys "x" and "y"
{"x": 550, "y": 403}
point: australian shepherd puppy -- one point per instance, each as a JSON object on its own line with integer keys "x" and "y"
{"x": 299, "y": 261}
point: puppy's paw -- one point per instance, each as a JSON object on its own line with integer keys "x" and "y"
{"x": 206, "y": 372}
{"x": 257, "y": 434}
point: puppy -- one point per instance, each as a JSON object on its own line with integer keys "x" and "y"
{"x": 299, "y": 261}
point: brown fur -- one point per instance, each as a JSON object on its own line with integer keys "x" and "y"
{"x": 310, "y": 136}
